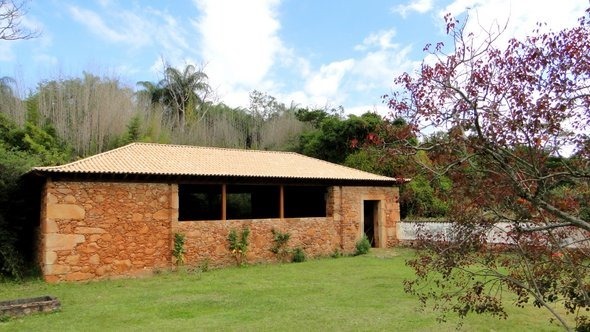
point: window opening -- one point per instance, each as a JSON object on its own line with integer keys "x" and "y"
{"x": 253, "y": 202}
{"x": 204, "y": 201}
{"x": 305, "y": 201}
{"x": 199, "y": 202}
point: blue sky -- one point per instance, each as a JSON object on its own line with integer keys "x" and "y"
{"x": 314, "y": 53}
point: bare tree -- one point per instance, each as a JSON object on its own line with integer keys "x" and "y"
{"x": 10, "y": 104}
{"x": 89, "y": 112}
{"x": 11, "y": 27}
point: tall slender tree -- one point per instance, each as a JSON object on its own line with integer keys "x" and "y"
{"x": 10, "y": 104}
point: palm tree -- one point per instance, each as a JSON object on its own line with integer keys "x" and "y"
{"x": 181, "y": 93}
{"x": 152, "y": 93}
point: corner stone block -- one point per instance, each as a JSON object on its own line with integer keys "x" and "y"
{"x": 50, "y": 257}
{"x": 65, "y": 211}
{"x": 55, "y": 241}
{"x": 56, "y": 269}
{"x": 174, "y": 201}
{"x": 51, "y": 199}
{"x": 51, "y": 226}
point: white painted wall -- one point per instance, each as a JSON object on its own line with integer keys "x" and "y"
{"x": 407, "y": 231}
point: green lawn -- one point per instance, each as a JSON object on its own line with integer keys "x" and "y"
{"x": 344, "y": 294}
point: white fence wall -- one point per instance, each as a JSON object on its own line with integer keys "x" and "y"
{"x": 407, "y": 231}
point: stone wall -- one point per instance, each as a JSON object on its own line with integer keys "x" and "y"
{"x": 96, "y": 229}
{"x": 99, "y": 229}
{"x": 206, "y": 241}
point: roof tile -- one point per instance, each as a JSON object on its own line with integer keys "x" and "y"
{"x": 167, "y": 159}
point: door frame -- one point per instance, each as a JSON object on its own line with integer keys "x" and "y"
{"x": 378, "y": 221}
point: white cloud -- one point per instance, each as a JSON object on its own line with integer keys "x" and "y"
{"x": 239, "y": 43}
{"x": 381, "y": 40}
{"x": 142, "y": 29}
{"x": 373, "y": 77}
{"x": 171, "y": 38}
{"x": 95, "y": 23}
{"x": 381, "y": 61}
{"x": 362, "y": 79}
{"x": 327, "y": 82}
{"x": 362, "y": 109}
{"x": 46, "y": 60}
{"x": 131, "y": 28}
{"x": 420, "y": 6}
{"x": 245, "y": 54}
{"x": 521, "y": 15}
{"x": 377, "y": 69}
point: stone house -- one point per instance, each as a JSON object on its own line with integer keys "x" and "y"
{"x": 116, "y": 213}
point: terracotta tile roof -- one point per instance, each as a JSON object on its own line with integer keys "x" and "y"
{"x": 181, "y": 160}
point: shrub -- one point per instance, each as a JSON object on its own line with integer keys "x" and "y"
{"x": 299, "y": 255}
{"x": 239, "y": 245}
{"x": 178, "y": 251}
{"x": 16, "y": 231}
{"x": 279, "y": 246}
{"x": 363, "y": 246}
{"x": 11, "y": 262}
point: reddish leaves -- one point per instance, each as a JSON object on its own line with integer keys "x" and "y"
{"x": 518, "y": 150}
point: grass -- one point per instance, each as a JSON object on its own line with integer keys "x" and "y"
{"x": 362, "y": 293}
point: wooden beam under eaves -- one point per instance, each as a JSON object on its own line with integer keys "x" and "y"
{"x": 282, "y": 202}
{"x": 224, "y": 202}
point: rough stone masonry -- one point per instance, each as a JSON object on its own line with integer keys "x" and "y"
{"x": 94, "y": 229}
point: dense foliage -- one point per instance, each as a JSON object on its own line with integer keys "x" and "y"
{"x": 20, "y": 149}
{"x": 333, "y": 137}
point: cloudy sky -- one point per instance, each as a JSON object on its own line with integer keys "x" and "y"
{"x": 310, "y": 52}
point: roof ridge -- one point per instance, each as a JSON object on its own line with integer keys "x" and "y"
{"x": 213, "y": 148}
{"x": 127, "y": 146}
